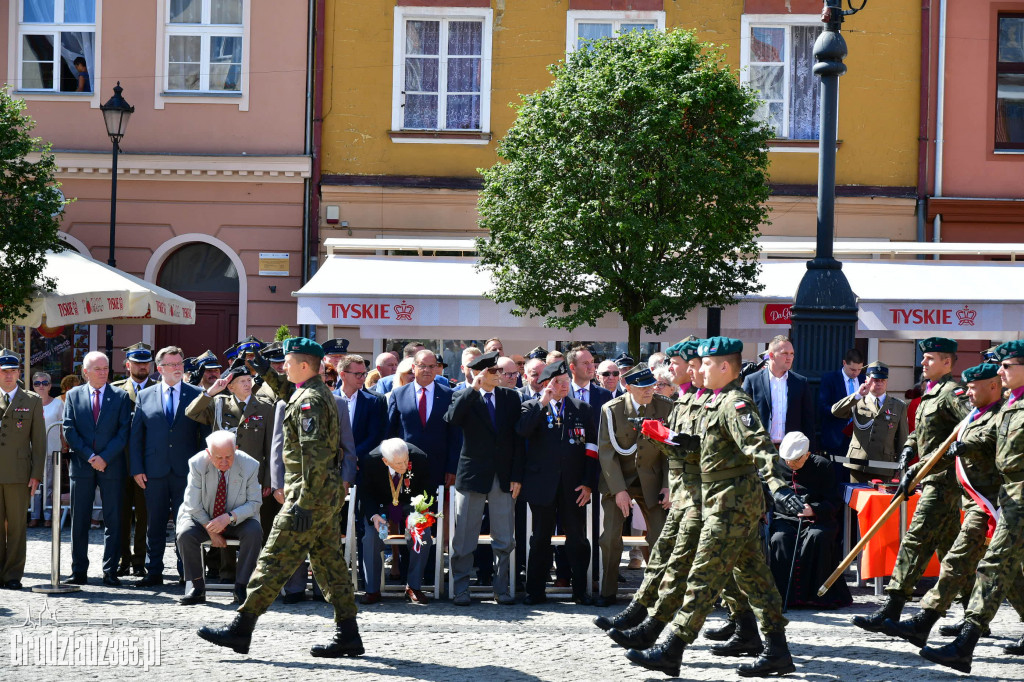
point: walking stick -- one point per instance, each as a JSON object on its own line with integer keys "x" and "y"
{"x": 893, "y": 506}
{"x": 792, "y": 564}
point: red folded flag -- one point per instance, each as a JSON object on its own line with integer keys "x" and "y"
{"x": 655, "y": 430}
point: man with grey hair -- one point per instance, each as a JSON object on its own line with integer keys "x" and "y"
{"x": 509, "y": 372}
{"x": 532, "y": 389}
{"x": 222, "y": 500}
{"x": 656, "y": 360}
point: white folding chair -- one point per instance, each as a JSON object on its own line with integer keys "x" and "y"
{"x": 483, "y": 540}
{"x": 216, "y": 587}
{"x": 399, "y": 541}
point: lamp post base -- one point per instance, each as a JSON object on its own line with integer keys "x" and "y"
{"x": 56, "y": 589}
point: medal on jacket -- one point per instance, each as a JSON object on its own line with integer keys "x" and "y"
{"x": 555, "y": 418}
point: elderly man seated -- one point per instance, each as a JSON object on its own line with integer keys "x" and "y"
{"x": 222, "y": 500}
{"x": 393, "y": 474}
{"x": 811, "y": 533}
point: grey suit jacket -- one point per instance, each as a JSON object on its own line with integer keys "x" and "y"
{"x": 348, "y": 446}
{"x": 244, "y": 495}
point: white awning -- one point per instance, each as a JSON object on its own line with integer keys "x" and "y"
{"x": 392, "y": 297}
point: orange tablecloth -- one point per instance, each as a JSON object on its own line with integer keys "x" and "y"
{"x": 879, "y": 556}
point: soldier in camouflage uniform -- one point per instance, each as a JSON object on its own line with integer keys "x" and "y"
{"x": 936, "y": 522}
{"x": 1000, "y": 569}
{"x": 308, "y": 523}
{"x": 976, "y": 474}
{"x": 734, "y": 449}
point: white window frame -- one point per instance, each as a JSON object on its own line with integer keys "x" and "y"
{"x": 406, "y": 13}
{"x": 784, "y": 21}
{"x": 576, "y": 16}
{"x": 14, "y": 55}
{"x": 164, "y": 31}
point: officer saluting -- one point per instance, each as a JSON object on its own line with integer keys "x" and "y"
{"x": 878, "y": 422}
{"x": 308, "y": 523}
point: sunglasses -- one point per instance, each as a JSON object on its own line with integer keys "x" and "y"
{"x": 40, "y": 383}
{"x": 609, "y": 374}
{"x": 492, "y": 370}
{"x": 1008, "y": 365}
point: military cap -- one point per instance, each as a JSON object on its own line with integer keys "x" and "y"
{"x": 9, "y": 359}
{"x": 688, "y": 350}
{"x": 989, "y": 354}
{"x": 207, "y": 360}
{"x": 1010, "y": 349}
{"x": 484, "y": 361}
{"x": 794, "y": 445}
{"x": 335, "y": 346}
{"x": 272, "y": 352}
{"x": 624, "y": 361}
{"x": 719, "y": 345}
{"x": 231, "y": 353}
{"x": 640, "y": 376}
{"x": 300, "y": 344}
{"x": 877, "y": 370}
{"x": 139, "y": 352}
{"x": 537, "y": 353}
{"x": 937, "y": 344}
{"x": 250, "y": 344}
{"x": 189, "y": 365}
{"x": 985, "y": 370}
{"x": 240, "y": 371}
{"x": 555, "y": 369}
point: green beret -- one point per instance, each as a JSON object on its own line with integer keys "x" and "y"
{"x": 298, "y": 344}
{"x": 719, "y": 345}
{"x": 674, "y": 350}
{"x": 937, "y": 344}
{"x": 1010, "y": 349}
{"x": 985, "y": 370}
{"x": 689, "y": 349}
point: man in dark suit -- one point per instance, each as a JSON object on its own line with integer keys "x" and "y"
{"x": 162, "y": 441}
{"x": 531, "y": 379}
{"x": 835, "y": 386}
{"x": 138, "y": 361}
{"x": 487, "y": 414}
{"x": 558, "y": 475}
{"x": 96, "y": 422}
{"x": 582, "y": 368}
{"x": 783, "y": 397}
{"x": 367, "y": 411}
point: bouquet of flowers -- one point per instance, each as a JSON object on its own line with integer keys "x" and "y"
{"x": 420, "y": 519}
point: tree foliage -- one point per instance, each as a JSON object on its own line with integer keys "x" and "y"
{"x": 634, "y": 184}
{"x": 30, "y": 206}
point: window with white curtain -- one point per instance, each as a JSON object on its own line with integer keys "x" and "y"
{"x": 203, "y": 46}
{"x": 584, "y": 25}
{"x": 443, "y": 69}
{"x": 777, "y": 58}
{"x": 56, "y": 45}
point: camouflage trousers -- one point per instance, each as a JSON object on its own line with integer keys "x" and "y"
{"x": 956, "y": 577}
{"x": 647, "y": 594}
{"x": 935, "y": 525}
{"x": 999, "y": 571}
{"x": 729, "y": 547}
{"x": 286, "y": 549}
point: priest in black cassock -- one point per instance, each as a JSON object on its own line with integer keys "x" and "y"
{"x": 813, "y": 479}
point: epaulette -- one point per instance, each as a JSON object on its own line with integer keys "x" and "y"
{"x": 664, "y": 399}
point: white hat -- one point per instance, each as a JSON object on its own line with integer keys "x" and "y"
{"x": 794, "y": 446}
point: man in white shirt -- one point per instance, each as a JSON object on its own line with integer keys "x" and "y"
{"x": 782, "y": 397}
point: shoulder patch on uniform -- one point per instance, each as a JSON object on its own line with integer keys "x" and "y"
{"x": 740, "y": 405}
{"x": 307, "y": 424}
{"x": 746, "y": 418}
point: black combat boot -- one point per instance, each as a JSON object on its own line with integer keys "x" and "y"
{"x": 639, "y": 637}
{"x": 723, "y": 633}
{"x": 774, "y": 659}
{"x": 666, "y": 657}
{"x": 960, "y": 653}
{"x": 914, "y": 629}
{"x": 236, "y": 636}
{"x": 346, "y": 642}
{"x": 954, "y": 629}
{"x": 892, "y": 608}
{"x": 746, "y": 641}
{"x": 1016, "y": 649}
{"x": 627, "y": 618}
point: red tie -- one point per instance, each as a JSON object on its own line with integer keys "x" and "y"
{"x": 222, "y": 497}
{"x": 95, "y": 405}
{"x": 423, "y": 406}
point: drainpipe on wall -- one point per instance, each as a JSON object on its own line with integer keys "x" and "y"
{"x": 314, "y": 109}
{"x": 940, "y": 107}
{"x": 922, "y": 135}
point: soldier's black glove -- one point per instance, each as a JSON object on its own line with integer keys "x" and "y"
{"x": 688, "y": 442}
{"x": 906, "y": 457}
{"x": 303, "y": 518}
{"x": 904, "y": 487}
{"x": 788, "y": 501}
{"x": 954, "y": 450}
{"x": 239, "y": 361}
{"x": 259, "y": 364}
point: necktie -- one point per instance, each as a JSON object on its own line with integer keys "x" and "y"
{"x": 489, "y": 399}
{"x": 851, "y": 388}
{"x": 423, "y": 406}
{"x": 5, "y": 401}
{"x": 169, "y": 406}
{"x": 583, "y": 395}
{"x": 241, "y": 405}
{"x": 222, "y": 496}
{"x": 95, "y": 405}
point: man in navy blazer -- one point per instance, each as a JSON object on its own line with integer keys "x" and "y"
{"x": 582, "y": 368}
{"x": 776, "y": 384}
{"x": 162, "y": 441}
{"x": 367, "y": 411}
{"x": 426, "y": 428}
{"x": 96, "y": 421}
{"x": 835, "y": 386}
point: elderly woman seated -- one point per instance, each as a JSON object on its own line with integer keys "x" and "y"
{"x": 813, "y": 479}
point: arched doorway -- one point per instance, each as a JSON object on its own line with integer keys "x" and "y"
{"x": 204, "y": 274}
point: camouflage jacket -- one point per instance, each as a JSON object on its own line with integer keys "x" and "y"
{"x": 1010, "y": 451}
{"x": 979, "y": 456}
{"x": 684, "y": 419}
{"x": 312, "y": 477}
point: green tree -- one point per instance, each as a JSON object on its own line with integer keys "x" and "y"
{"x": 30, "y": 209}
{"x": 635, "y": 184}
{"x": 282, "y": 333}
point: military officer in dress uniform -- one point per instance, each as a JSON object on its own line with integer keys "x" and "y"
{"x": 632, "y": 468}
{"x": 275, "y": 356}
{"x": 936, "y": 520}
{"x": 558, "y": 475}
{"x": 138, "y": 359}
{"x": 734, "y": 449}
{"x": 879, "y": 424}
{"x": 309, "y": 522}
{"x": 208, "y": 369}
{"x": 22, "y": 458}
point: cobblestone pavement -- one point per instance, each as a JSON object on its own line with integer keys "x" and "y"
{"x": 485, "y": 641}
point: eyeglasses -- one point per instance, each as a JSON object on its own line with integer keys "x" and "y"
{"x": 329, "y": 382}
{"x": 510, "y": 375}
{"x": 492, "y": 370}
{"x": 40, "y": 383}
{"x": 609, "y": 374}
{"x": 1008, "y": 365}
{"x": 357, "y": 375}
{"x": 521, "y": 364}
{"x": 662, "y": 384}
{"x": 427, "y": 367}
{"x": 172, "y": 365}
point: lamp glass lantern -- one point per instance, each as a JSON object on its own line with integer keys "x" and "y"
{"x": 116, "y": 113}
